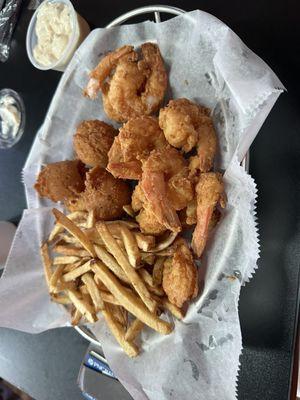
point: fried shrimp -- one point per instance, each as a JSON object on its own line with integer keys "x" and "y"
{"x": 136, "y": 139}
{"x": 209, "y": 192}
{"x": 92, "y": 141}
{"x": 180, "y": 276}
{"x": 103, "y": 193}
{"x": 166, "y": 187}
{"x": 186, "y": 125}
{"x": 61, "y": 180}
{"x": 132, "y": 84}
{"x": 149, "y": 224}
{"x": 146, "y": 218}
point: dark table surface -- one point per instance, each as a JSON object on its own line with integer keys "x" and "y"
{"x": 46, "y": 365}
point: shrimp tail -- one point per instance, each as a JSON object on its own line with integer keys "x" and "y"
{"x": 201, "y": 230}
{"x": 154, "y": 188}
{"x": 103, "y": 69}
{"x": 210, "y": 193}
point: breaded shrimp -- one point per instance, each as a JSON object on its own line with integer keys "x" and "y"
{"x": 61, "y": 180}
{"x": 92, "y": 141}
{"x": 180, "y": 276}
{"x": 99, "y": 74}
{"x": 149, "y": 224}
{"x": 132, "y": 85}
{"x": 210, "y": 192}
{"x": 186, "y": 125}
{"x": 165, "y": 186}
{"x": 103, "y": 193}
{"x": 136, "y": 139}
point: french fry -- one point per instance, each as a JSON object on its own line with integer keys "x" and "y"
{"x": 85, "y": 295}
{"x": 129, "y": 224}
{"x": 106, "y": 296}
{"x": 94, "y": 236}
{"x": 55, "y": 277}
{"x": 93, "y": 290}
{"x": 65, "y": 260}
{"x": 71, "y": 267}
{"x": 129, "y": 300}
{"x": 66, "y": 238}
{"x": 55, "y": 231}
{"x": 109, "y": 298}
{"x": 61, "y": 299}
{"x": 119, "y": 333}
{"x": 46, "y": 263}
{"x": 119, "y": 313}
{"x": 131, "y": 246}
{"x": 146, "y": 276}
{"x": 114, "y": 228}
{"x": 74, "y": 230}
{"x": 165, "y": 303}
{"x": 157, "y": 272}
{"x": 129, "y": 210}
{"x": 150, "y": 284}
{"x": 176, "y": 311}
{"x": 76, "y": 215}
{"x": 72, "y": 275}
{"x": 62, "y": 286}
{"x": 157, "y": 290}
{"x": 111, "y": 263}
{"x": 100, "y": 284}
{"x": 148, "y": 258}
{"x": 145, "y": 242}
{"x": 70, "y": 251}
{"x": 131, "y": 273}
{"x": 76, "y": 317}
{"x": 90, "y": 221}
{"x": 134, "y": 329}
{"x": 83, "y": 306}
{"x": 83, "y": 289}
{"x": 165, "y": 243}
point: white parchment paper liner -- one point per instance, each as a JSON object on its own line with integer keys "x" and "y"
{"x": 207, "y": 63}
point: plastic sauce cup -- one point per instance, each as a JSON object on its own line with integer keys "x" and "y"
{"x": 80, "y": 30}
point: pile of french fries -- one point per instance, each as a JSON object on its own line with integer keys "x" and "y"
{"x": 111, "y": 269}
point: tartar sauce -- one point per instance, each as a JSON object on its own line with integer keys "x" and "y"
{"x": 10, "y": 117}
{"x": 53, "y": 30}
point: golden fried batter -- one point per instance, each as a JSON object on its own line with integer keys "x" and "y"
{"x": 104, "y": 194}
{"x": 149, "y": 224}
{"x": 166, "y": 186}
{"x": 136, "y": 139}
{"x": 186, "y": 125}
{"x": 180, "y": 276}
{"x": 61, "y": 180}
{"x": 92, "y": 141}
{"x": 210, "y": 192}
{"x": 138, "y": 199}
{"x": 132, "y": 85}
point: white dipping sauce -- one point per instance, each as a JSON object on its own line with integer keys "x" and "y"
{"x": 53, "y": 30}
{"x": 10, "y": 117}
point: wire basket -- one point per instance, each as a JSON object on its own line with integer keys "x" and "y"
{"x": 156, "y": 10}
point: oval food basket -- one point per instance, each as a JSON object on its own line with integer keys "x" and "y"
{"x": 157, "y": 10}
